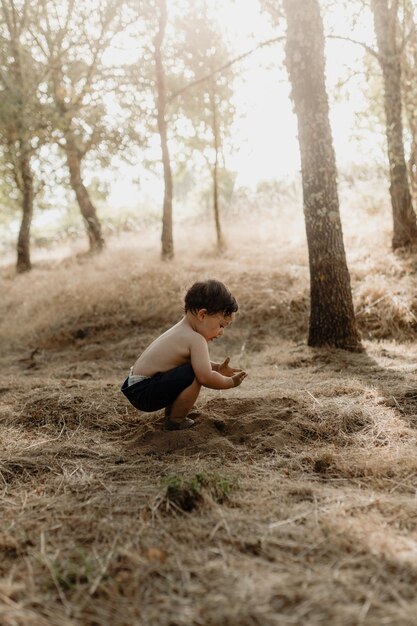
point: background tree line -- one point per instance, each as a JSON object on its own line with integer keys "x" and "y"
{"x": 67, "y": 99}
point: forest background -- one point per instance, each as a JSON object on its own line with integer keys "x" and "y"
{"x": 97, "y": 86}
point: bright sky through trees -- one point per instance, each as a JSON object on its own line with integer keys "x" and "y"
{"x": 264, "y": 139}
{"x": 264, "y": 136}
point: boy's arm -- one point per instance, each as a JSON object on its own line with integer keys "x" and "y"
{"x": 202, "y": 366}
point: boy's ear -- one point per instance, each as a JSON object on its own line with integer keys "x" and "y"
{"x": 201, "y": 313}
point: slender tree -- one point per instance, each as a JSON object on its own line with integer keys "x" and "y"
{"x": 20, "y": 115}
{"x": 214, "y": 106}
{"x": 385, "y": 14}
{"x": 161, "y": 100}
{"x": 409, "y": 59}
{"x": 208, "y": 104}
{"x": 71, "y": 40}
{"x": 332, "y": 319}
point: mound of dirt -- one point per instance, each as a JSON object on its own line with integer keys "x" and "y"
{"x": 224, "y": 427}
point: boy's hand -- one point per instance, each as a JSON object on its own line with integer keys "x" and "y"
{"x": 238, "y": 378}
{"x": 225, "y": 369}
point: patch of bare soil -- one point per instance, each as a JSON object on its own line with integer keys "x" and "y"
{"x": 223, "y": 426}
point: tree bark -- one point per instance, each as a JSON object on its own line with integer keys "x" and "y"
{"x": 412, "y": 163}
{"x": 332, "y": 319}
{"x": 23, "y": 242}
{"x": 87, "y": 208}
{"x": 167, "y": 240}
{"x": 215, "y": 170}
{"x": 404, "y": 218}
{"x": 23, "y": 171}
{"x": 410, "y": 92}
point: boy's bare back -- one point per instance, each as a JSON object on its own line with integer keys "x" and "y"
{"x": 169, "y": 350}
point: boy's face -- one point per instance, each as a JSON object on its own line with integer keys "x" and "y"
{"x": 212, "y": 326}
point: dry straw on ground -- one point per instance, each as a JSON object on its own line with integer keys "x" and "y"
{"x": 292, "y": 501}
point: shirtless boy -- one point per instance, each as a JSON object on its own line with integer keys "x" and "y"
{"x": 171, "y": 371}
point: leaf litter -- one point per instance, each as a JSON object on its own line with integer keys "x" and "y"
{"x": 292, "y": 501}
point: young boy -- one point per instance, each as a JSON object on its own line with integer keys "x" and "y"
{"x": 171, "y": 371}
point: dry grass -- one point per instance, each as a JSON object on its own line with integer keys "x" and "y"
{"x": 291, "y": 502}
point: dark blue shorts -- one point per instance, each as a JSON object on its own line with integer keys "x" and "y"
{"x": 160, "y": 390}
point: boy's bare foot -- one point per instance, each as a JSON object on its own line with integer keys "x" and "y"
{"x": 173, "y": 424}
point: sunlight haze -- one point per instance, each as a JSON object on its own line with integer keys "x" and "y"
{"x": 265, "y": 130}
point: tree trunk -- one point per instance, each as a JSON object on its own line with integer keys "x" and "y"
{"x": 23, "y": 172}
{"x": 409, "y": 91}
{"x": 87, "y": 208}
{"x": 404, "y": 218}
{"x": 332, "y": 319}
{"x": 215, "y": 171}
{"x": 23, "y": 243}
{"x": 412, "y": 164}
{"x": 167, "y": 240}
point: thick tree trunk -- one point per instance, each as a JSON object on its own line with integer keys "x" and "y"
{"x": 87, "y": 208}
{"x": 23, "y": 242}
{"x": 404, "y": 218}
{"x": 332, "y": 319}
{"x": 215, "y": 171}
{"x": 167, "y": 240}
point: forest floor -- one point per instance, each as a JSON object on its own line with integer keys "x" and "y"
{"x": 292, "y": 501}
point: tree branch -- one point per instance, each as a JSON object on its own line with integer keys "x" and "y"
{"x": 263, "y": 44}
{"x": 371, "y": 51}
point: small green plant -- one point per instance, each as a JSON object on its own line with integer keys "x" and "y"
{"x": 73, "y": 571}
{"x": 225, "y": 486}
{"x": 188, "y": 493}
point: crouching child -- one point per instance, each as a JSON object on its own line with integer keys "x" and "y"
{"x": 169, "y": 374}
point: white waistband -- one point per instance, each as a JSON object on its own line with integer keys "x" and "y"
{"x": 132, "y": 379}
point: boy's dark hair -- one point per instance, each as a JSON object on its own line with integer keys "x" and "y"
{"x": 211, "y": 295}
